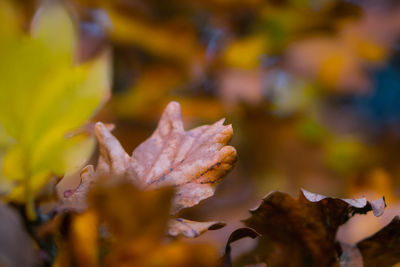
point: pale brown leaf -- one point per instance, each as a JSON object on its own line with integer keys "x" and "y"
{"x": 193, "y": 162}
{"x": 179, "y": 226}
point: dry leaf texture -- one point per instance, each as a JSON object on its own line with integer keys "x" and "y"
{"x": 304, "y": 228}
{"x": 193, "y": 162}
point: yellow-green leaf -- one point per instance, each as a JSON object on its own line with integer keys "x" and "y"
{"x": 43, "y": 98}
{"x": 46, "y": 25}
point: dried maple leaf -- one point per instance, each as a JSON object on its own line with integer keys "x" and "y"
{"x": 380, "y": 249}
{"x": 304, "y": 228}
{"x": 193, "y": 162}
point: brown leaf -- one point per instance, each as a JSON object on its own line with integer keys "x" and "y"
{"x": 380, "y": 249}
{"x": 179, "y": 226}
{"x": 131, "y": 213}
{"x": 236, "y": 235}
{"x": 126, "y": 227}
{"x": 383, "y": 248}
{"x": 304, "y": 228}
{"x": 77, "y": 198}
{"x": 193, "y": 162}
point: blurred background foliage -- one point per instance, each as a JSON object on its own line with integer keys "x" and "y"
{"x": 312, "y": 88}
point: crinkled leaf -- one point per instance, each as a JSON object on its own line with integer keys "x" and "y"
{"x": 304, "y": 228}
{"x": 191, "y": 161}
{"x": 236, "y": 235}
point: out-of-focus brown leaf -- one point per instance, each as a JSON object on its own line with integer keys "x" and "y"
{"x": 192, "y": 161}
{"x": 304, "y": 228}
{"x": 236, "y": 235}
{"x": 125, "y": 226}
{"x": 382, "y": 248}
{"x": 122, "y": 207}
{"x": 16, "y": 247}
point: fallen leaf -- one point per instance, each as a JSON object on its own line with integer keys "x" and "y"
{"x": 304, "y": 228}
{"x": 193, "y": 162}
{"x": 236, "y": 235}
{"x": 382, "y": 248}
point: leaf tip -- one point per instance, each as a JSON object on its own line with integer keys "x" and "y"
{"x": 378, "y": 206}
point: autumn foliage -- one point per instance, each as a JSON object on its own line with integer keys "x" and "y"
{"x": 114, "y": 149}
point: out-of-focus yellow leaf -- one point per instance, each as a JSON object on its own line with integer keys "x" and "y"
{"x": 166, "y": 40}
{"x": 311, "y": 131}
{"x": 331, "y": 68}
{"x": 245, "y": 53}
{"x": 371, "y": 51}
{"x": 47, "y": 24}
{"x": 84, "y": 236}
{"x": 344, "y": 155}
{"x": 80, "y": 247}
{"x": 43, "y": 97}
